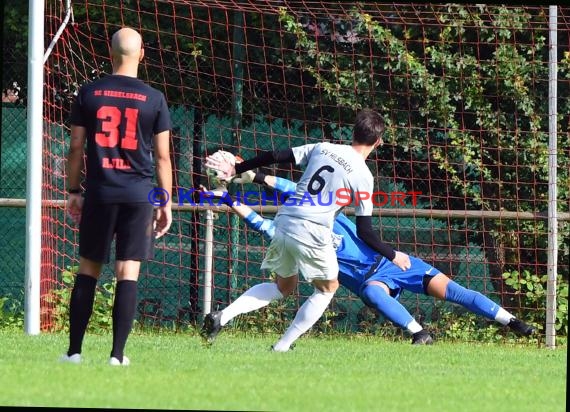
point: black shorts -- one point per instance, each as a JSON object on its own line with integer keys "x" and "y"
{"x": 130, "y": 224}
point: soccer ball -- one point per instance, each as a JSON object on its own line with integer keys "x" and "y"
{"x": 213, "y": 175}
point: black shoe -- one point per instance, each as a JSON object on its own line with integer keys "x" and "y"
{"x": 211, "y": 326}
{"x": 422, "y": 338}
{"x": 521, "y": 328}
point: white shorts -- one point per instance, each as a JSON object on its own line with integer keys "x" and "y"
{"x": 287, "y": 256}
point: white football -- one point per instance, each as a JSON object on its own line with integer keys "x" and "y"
{"x": 214, "y": 180}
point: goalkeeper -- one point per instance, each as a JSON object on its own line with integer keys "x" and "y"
{"x": 370, "y": 276}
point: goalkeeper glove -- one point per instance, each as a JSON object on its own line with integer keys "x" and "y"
{"x": 245, "y": 177}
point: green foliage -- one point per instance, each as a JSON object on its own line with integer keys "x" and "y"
{"x": 15, "y": 46}
{"x": 458, "y": 102}
{"x": 327, "y": 324}
{"x": 15, "y": 22}
{"x": 466, "y": 101}
{"x": 57, "y": 304}
{"x": 531, "y": 290}
{"x": 179, "y": 55}
{"x": 11, "y": 313}
{"x": 468, "y": 326}
{"x": 271, "y": 319}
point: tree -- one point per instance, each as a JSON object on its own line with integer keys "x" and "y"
{"x": 466, "y": 99}
{"x": 14, "y": 50}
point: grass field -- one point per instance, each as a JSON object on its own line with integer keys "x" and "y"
{"x": 175, "y": 371}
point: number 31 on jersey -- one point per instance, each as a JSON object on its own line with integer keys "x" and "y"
{"x": 111, "y": 118}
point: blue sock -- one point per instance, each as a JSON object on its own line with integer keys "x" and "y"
{"x": 472, "y": 300}
{"x": 393, "y": 310}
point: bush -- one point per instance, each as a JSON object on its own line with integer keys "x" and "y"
{"x": 531, "y": 290}
{"x": 58, "y": 299}
{"x": 11, "y": 313}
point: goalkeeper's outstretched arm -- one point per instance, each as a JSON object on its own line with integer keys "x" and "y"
{"x": 258, "y": 223}
{"x": 275, "y": 182}
{"x": 246, "y": 213}
{"x": 280, "y": 184}
{"x": 264, "y": 226}
{"x": 254, "y": 220}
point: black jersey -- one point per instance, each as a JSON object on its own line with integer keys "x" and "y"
{"x": 121, "y": 115}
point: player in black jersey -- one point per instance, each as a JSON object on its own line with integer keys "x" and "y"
{"x": 122, "y": 121}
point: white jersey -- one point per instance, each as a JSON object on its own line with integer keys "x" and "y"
{"x": 336, "y": 176}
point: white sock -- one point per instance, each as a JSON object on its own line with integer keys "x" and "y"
{"x": 414, "y": 327}
{"x": 503, "y": 317}
{"x": 306, "y": 316}
{"x": 254, "y": 298}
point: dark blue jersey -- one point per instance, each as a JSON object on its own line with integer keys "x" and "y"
{"x": 121, "y": 115}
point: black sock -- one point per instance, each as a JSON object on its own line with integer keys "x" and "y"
{"x": 80, "y": 309}
{"x": 124, "y": 308}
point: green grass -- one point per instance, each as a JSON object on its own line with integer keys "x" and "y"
{"x": 174, "y": 371}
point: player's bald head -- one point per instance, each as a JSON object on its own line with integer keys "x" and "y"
{"x": 126, "y": 42}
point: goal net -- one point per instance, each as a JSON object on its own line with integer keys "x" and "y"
{"x": 464, "y": 168}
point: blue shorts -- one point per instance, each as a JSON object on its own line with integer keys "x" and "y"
{"x": 397, "y": 279}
